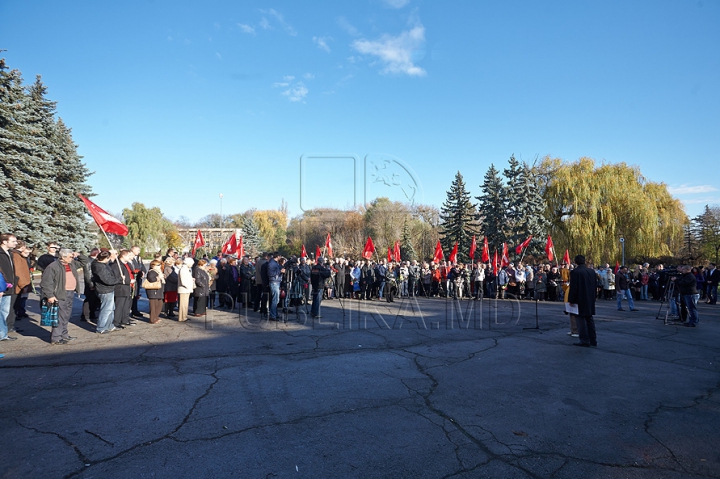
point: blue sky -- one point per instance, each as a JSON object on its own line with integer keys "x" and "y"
{"x": 174, "y": 102}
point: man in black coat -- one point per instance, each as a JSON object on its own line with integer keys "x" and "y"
{"x": 340, "y": 278}
{"x": 583, "y": 289}
{"x": 713, "y": 278}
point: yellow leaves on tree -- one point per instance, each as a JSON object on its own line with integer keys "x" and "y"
{"x": 591, "y": 207}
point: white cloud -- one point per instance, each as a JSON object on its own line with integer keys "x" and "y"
{"x": 308, "y": 76}
{"x": 297, "y": 92}
{"x": 218, "y": 55}
{"x": 396, "y": 3}
{"x": 349, "y": 29}
{"x": 690, "y": 190}
{"x": 246, "y": 28}
{"x": 396, "y": 52}
{"x": 321, "y": 42}
{"x": 293, "y": 90}
{"x": 280, "y": 19}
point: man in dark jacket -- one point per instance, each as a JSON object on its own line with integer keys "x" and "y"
{"x": 340, "y": 278}
{"x": 104, "y": 278}
{"x": 303, "y": 273}
{"x": 318, "y": 275}
{"x": 92, "y": 301}
{"x": 583, "y": 284}
{"x": 123, "y": 290}
{"x": 275, "y": 276}
{"x": 60, "y": 281}
{"x": 687, "y": 284}
{"x": 622, "y": 289}
{"x": 139, "y": 270}
{"x": 8, "y": 242}
{"x": 713, "y": 278}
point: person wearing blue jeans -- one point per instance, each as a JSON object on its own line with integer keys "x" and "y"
{"x": 104, "y": 278}
{"x": 318, "y": 274}
{"x": 275, "y": 275}
{"x": 622, "y": 286}
{"x": 8, "y": 242}
{"x": 687, "y": 284}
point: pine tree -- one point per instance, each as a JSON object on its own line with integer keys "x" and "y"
{"x": 492, "y": 208}
{"x": 458, "y": 216}
{"x": 527, "y": 207}
{"x": 252, "y": 241}
{"x": 25, "y": 163}
{"x": 407, "y": 252}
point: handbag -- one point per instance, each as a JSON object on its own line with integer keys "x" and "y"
{"x": 147, "y": 285}
{"x": 49, "y": 313}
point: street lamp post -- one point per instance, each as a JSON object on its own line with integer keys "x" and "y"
{"x": 222, "y": 221}
{"x": 622, "y": 243}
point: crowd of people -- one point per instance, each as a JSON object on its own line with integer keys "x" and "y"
{"x": 113, "y": 281}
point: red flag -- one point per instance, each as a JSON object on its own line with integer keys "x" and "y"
{"x": 396, "y": 253}
{"x": 550, "y": 249}
{"x": 505, "y": 260}
{"x": 369, "y": 249}
{"x": 199, "y": 242}
{"x": 473, "y": 247}
{"x": 328, "y": 245}
{"x": 230, "y": 245}
{"x": 523, "y": 245}
{"x": 617, "y": 266}
{"x": 318, "y": 253}
{"x": 566, "y": 257}
{"x": 486, "y": 251}
{"x": 438, "y": 253}
{"x": 390, "y": 255}
{"x": 495, "y": 263}
{"x": 453, "y": 254}
{"x": 240, "y": 249}
{"x": 107, "y": 222}
{"x": 303, "y": 253}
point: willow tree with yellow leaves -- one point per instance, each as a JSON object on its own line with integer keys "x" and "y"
{"x": 591, "y": 207}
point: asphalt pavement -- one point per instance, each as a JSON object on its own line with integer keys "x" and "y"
{"x": 431, "y": 388}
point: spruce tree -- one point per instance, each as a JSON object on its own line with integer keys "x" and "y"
{"x": 458, "y": 220}
{"x": 25, "y": 163}
{"x": 252, "y": 241}
{"x": 492, "y": 208}
{"x": 528, "y": 207}
{"x": 407, "y": 252}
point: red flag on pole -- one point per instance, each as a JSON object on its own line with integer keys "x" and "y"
{"x": 318, "y": 253}
{"x": 369, "y": 249}
{"x": 550, "y": 249}
{"x": 495, "y": 263}
{"x": 505, "y": 260}
{"x": 473, "y": 247}
{"x": 240, "y": 249}
{"x": 438, "y": 253}
{"x": 230, "y": 245}
{"x": 199, "y": 242}
{"x": 107, "y": 222}
{"x": 523, "y": 245}
{"x": 617, "y": 266}
{"x": 453, "y": 254}
{"x": 303, "y": 253}
{"x": 390, "y": 255}
{"x": 328, "y": 245}
{"x": 566, "y": 257}
{"x": 486, "y": 251}
{"x": 396, "y": 253}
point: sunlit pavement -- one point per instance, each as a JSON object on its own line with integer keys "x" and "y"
{"x": 428, "y": 388}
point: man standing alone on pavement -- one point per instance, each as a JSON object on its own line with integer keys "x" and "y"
{"x": 583, "y": 284}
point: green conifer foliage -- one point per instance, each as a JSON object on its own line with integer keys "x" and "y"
{"x": 492, "y": 209}
{"x": 407, "y": 252}
{"x": 458, "y": 220}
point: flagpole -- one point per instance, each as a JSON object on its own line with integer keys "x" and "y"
{"x": 117, "y": 257}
